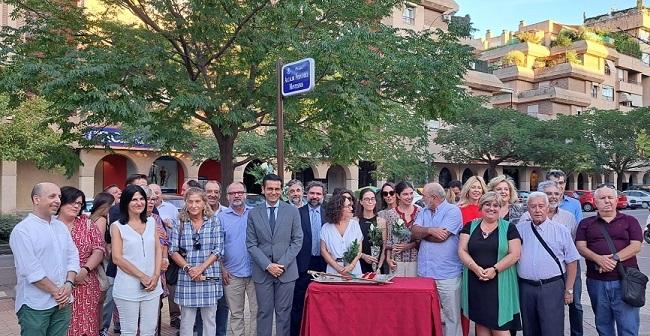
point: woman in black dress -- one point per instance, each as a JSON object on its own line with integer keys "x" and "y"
{"x": 366, "y": 212}
{"x": 489, "y": 248}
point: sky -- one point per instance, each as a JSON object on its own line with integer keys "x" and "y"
{"x": 497, "y": 15}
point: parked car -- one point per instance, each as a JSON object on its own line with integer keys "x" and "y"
{"x": 638, "y": 198}
{"x": 253, "y": 200}
{"x": 523, "y": 196}
{"x": 586, "y": 198}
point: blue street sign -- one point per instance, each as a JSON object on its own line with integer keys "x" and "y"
{"x": 298, "y": 77}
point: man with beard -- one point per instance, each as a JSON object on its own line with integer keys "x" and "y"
{"x": 213, "y": 192}
{"x": 236, "y": 263}
{"x": 295, "y": 193}
{"x": 309, "y": 258}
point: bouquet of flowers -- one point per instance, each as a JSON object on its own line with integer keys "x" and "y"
{"x": 400, "y": 231}
{"x": 375, "y": 235}
{"x": 352, "y": 252}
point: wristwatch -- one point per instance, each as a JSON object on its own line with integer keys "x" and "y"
{"x": 569, "y": 291}
{"x": 616, "y": 257}
{"x": 69, "y": 282}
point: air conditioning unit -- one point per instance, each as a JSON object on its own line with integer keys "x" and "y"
{"x": 446, "y": 18}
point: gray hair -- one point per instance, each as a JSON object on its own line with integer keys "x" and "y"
{"x": 598, "y": 191}
{"x": 235, "y": 183}
{"x": 538, "y": 194}
{"x": 295, "y": 182}
{"x": 313, "y": 184}
{"x": 546, "y": 184}
{"x": 148, "y": 191}
{"x": 490, "y": 197}
{"x": 555, "y": 173}
{"x": 436, "y": 189}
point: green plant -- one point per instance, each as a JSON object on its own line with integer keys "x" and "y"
{"x": 563, "y": 39}
{"x": 515, "y": 57}
{"x": 572, "y": 57}
{"x": 352, "y": 252}
{"x": 375, "y": 236}
{"x": 626, "y": 44}
{"x": 7, "y": 223}
{"x": 529, "y": 36}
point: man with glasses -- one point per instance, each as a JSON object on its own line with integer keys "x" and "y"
{"x": 309, "y": 258}
{"x": 295, "y": 193}
{"x": 236, "y": 264}
{"x": 573, "y": 206}
{"x": 438, "y": 225}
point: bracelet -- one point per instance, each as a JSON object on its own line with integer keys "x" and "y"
{"x": 86, "y": 268}
{"x": 186, "y": 267}
{"x": 496, "y": 270}
{"x": 69, "y": 282}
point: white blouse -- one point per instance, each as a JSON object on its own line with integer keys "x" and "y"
{"x": 337, "y": 245}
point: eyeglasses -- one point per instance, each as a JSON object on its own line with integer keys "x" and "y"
{"x": 387, "y": 193}
{"x": 235, "y": 193}
{"x": 369, "y": 199}
{"x": 196, "y": 238}
{"x": 552, "y": 193}
{"x": 78, "y": 204}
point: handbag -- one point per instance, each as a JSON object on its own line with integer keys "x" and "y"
{"x": 633, "y": 281}
{"x": 171, "y": 275}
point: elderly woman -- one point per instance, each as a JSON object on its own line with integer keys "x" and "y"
{"x": 90, "y": 243}
{"x": 402, "y": 250}
{"x": 339, "y": 234}
{"x": 136, "y": 253}
{"x": 366, "y": 212}
{"x": 504, "y": 187}
{"x": 472, "y": 191}
{"x": 197, "y": 245}
{"x": 489, "y": 247}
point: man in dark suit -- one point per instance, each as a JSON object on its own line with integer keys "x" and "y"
{"x": 309, "y": 258}
{"x": 273, "y": 239}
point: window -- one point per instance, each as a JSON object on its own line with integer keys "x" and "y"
{"x": 621, "y": 75}
{"x": 644, "y": 35}
{"x": 533, "y": 109}
{"x": 408, "y": 16}
{"x": 608, "y": 71}
{"x": 578, "y": 110}
{"x": 645, "y": 58}
{"x": 608, "y": 93}
{"x": 594, "y": 91}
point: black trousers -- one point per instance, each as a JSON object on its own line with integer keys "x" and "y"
{"x": 542, "y": 308}
{"x": 315, "y": 264}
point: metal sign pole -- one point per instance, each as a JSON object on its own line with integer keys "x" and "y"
{"x": 280, "y": 120}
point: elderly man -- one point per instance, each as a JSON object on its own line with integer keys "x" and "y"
{"x": 603, "y": 282}
{"x": 295, "y": 193}
{"x": 166, "y": 210}
{"x": 547, "y": 253}
{"x": 114, "y": 190}
{"x": 236, "y": 269}
{"x": 309, "y": 258}
{"x": 439, "y": 225}
{"x": 573, "y": 206}
{"x": 47, "y": 262}
{"x": 213, "y": 192}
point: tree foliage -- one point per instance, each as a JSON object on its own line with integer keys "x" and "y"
{"x": 176, "y": 70}
{"x": 25, "y": 136}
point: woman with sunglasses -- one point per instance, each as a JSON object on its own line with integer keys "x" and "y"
{"x": 366, "y": 212}
{"x": 136, "y": 253}
{"x": 90, "y": 243}
{"x": 197, "y": 245}
{"x": 402, "y": 250}
{"x": 386, "y": 199}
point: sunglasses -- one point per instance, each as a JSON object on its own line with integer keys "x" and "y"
{"x": 387, "y": 193}
{"x": 196, "y": 239}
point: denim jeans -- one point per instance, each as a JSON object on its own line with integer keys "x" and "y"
{"x": 609, "y": 309}
{"x": 575, "y": 308}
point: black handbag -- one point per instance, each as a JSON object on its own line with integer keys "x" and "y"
{"x": 633, "y": 281}
{"x": 171, "y": 275}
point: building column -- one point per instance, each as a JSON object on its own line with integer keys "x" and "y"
{"x": 8, "y": 186}
{"x": 589, "y": 182}
{"x": 352, "y": 177}
{"x": 87, "y": 175}
{"x": 524, "y": 178}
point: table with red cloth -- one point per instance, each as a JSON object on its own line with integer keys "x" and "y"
{"x": 408, "y": 306}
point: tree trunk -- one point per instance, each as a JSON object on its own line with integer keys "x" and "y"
{"x": 227, "y": 160}
{"x": 492, "y": 171}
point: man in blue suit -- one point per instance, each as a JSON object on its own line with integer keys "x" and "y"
{"x": 309, "y": 258}
{"x": 273, "y": 239}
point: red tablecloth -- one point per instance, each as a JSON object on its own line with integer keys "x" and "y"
{"x": 409, "y": 306}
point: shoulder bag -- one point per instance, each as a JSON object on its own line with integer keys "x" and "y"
{"x": 548, "y": 249}
{"x": 171, "y": 275}
{"x": 633, "y": 281}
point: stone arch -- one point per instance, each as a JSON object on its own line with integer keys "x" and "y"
{"x": 336, "y": 177}
{"x": 170, "y": 173}
{"x": 249, "y": 180}
{"x": 467, "y": 173}
{"x": 305, "y": 175}
{"x": 113, "y": 169}
{"x": 210, "y": 170}
{"x": 582, "y": 181}
{"x": 445, "y": 177}
{"x": 534, "y": 179}
{"x": 646, "y": 178}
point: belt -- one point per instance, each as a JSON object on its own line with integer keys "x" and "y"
{"x": 540, "y": 282}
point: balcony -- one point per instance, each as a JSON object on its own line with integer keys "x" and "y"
{"x": 554, "y": 94}
{"x": 564, "y": 70}
{"x": 513, "y": 72}
{"x": 634, "y": 88}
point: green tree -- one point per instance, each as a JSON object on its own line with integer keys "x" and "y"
{"x": 184, "y": 69}
{"x": 488, "y": 136}
{"x": 25, "y": 137}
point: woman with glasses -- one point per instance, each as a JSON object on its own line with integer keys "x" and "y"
{"x": 197, "y": 245}
{"x": 338, "y": 236}
{"x": 366, "y": 212}
{"x": 402, "y": 250}
{"x": 136, "y": 253}
{"x": 505, "y": 187}
{"x": 90, "y": 243}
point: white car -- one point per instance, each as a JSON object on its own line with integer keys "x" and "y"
{"x": 638, "y": 198}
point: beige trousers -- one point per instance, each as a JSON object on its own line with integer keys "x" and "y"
{"x": 236, "y": 292}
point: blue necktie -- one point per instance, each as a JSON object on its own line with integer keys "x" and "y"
{"x": 315, "y": 233}
{"x": 272, "y": 218}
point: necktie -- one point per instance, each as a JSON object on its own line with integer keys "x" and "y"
{"x": 315, "y": 233}
{"x": 272, "y": 218}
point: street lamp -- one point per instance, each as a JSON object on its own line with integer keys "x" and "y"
{"x": 510, "y": 91}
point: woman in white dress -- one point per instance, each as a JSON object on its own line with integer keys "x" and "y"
{"x": 338, "y": 235}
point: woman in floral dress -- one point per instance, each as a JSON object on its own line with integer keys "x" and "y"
{"x": 402, "y": 251}
{"x": 90, "y": 243}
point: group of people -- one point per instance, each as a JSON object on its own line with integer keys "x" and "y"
{"x": 505, "y": 266}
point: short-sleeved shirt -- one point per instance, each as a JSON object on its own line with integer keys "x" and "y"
{"x": 561, "y": 217}
{"x": 573, "y": 206}
{"x": 535, "y": 262}
{"x": 235, "y": 258}
{"x": 337, "y": 245}
{"x": 623, "y": 229}
{"x": 440, "y": 260}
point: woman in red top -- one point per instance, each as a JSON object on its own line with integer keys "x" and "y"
{"x": 472, "y": 191}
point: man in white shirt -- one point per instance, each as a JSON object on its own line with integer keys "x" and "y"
{"x": 47, "y": 262}
{"x": 166, "y": 210}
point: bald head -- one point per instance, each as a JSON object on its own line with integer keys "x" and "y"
{"x": 434, "y": 194}
{"x": 46, "y": 199}
{"x": 41, "y": 189}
